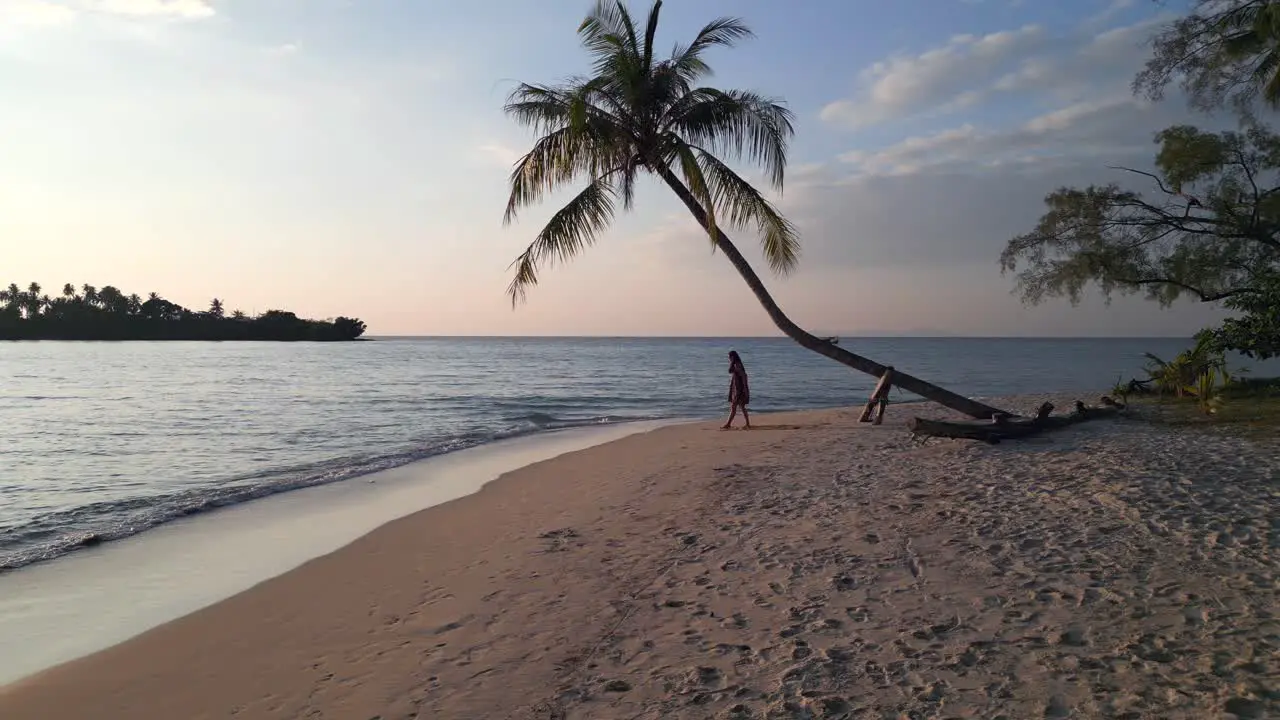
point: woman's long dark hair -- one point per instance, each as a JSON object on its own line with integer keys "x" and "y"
{"x": 734, "y": 359}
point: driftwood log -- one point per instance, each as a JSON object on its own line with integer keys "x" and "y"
{"x": 1007, "y": 427}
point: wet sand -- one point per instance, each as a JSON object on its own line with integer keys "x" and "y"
{"x": 811, "y": 568}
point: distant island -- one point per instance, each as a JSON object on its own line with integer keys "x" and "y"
{"x": 109, "y": 314}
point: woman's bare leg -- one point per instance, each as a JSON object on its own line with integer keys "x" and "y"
{"x": 733, "y": 412}
{"x": 746, "y": 417}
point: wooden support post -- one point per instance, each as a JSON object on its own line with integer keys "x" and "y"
{"x": 879, "y": 398}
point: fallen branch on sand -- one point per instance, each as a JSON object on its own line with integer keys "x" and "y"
{"x": 1007, "y": 427}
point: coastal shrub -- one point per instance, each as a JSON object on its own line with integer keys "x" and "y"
{"x": 1180, "y": 376}
{"x": 1207, "y": 390}
{"x": 1122, "y": 390}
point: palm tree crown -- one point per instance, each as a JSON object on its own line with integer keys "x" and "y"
{"x": 636, "y": 113}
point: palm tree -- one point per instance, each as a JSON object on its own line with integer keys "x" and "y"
{"x": 32, "y": 300}
{"x": 69, "y": 291}
{"x": 154, "y": 307}
{"x": 90, "y": 295}
{"x": 215, "y": 308}
{"x": 12, "y": 296}
{"x": 112, "y": 300}
{"x": 1251, "y": 37}
{"x": 641, "y": 113}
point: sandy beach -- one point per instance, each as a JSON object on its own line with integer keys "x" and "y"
{"x": 810, "y": 568}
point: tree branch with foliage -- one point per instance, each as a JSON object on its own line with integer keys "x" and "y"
{"x": 1254, "y": 330}
{"x": 1223, "y": 51}
{"x": 1208, "y": 227}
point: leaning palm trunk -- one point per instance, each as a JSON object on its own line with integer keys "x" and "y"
{"x": 807, "y": 340}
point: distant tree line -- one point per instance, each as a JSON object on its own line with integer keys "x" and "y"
{"x": 109, "y": 314}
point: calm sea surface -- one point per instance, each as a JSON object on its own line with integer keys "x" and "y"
{"x": 103, "y": 440}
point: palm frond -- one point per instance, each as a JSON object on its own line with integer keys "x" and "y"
{"x": 607, "y": 28}
{"x": 743, "y": 205}
{"x": 618, "y": 64}
{"x": 663, "y": 90}
{"x": 651, "y": 29}
{"x": 540, "y": 108}
{"x": 605, "y": 93}
{"x": 1240, "y": 18}
{"x": 691, "y": 69}
{"x": 736, "y": 124}
{"x": 626, "y": 182}
{"x": 600, "y": 101}
{"x": 1154, "y": 360}
{"x": 543, "y": 108}
{"x": 581, "y": 139}
{"x": 555, "y": 160}
{"x": 571, "y": 230}
{"x": 698, "y": 185}
{"x": 609, "y": 35}
{"x": 1267, "y": 75}
{"x": 551, "y": 163}
{"x": 723, "y": 32}
{"x": 1243, "y": 44}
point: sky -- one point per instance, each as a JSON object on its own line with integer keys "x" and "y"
{"x": 350, "y": 157}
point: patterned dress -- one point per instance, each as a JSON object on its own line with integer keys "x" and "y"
{"x": 739, "y": 389}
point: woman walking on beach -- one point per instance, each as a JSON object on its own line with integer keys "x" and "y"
{"x": 739, "y": 391}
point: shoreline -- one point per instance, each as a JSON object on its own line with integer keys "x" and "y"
{"x": 814, "y": 567}
{"x": 95, "y": 540}
{"x": 116, "y": 590}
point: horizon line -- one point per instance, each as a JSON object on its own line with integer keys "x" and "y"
{"x": 774, "y": 337}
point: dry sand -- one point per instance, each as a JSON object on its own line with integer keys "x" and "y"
{"x": 811, "y": 568}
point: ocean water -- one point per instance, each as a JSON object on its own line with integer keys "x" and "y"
{"x": 100, "y": 441}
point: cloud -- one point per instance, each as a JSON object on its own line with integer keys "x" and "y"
{"x": 1114, "y": 8}
{"x": 1022, "y": 64}
{"x": 1072, "y": 92}
{"x": 1104, "y": 128}
{"x": 1029, "y": 117}
{"x": 182, "y": 9}
{"x": 910, "y": 251}
{"x": 46, "y": 13}
{"x": 942, "y": 218}
{"x": 1104, "y": 63}
{"x": 904, "y": 85}
{"x": 496, "y": 153}
{"x": 34, "y": 13}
